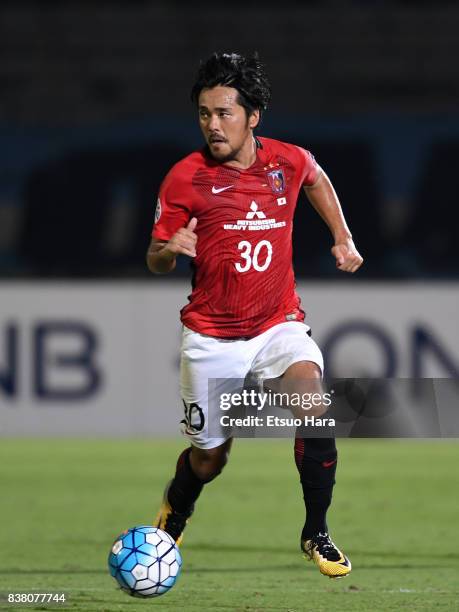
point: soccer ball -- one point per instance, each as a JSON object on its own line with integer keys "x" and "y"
{"x": 145, "y": 561}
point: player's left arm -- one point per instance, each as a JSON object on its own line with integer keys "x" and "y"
{"x": 325, "y": 201}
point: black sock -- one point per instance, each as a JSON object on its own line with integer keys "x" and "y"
{"x": 316, "y": 462}
{"x": 185, "y": 487}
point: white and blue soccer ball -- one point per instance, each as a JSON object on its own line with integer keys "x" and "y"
{"x": 145, "y": 561}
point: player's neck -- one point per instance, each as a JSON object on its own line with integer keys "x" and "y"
{"x": 246, "y": 155}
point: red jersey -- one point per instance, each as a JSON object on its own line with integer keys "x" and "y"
{"x": 243, "y": 282}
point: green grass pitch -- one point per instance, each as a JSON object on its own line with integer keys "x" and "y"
{"x": 395, "y": 514}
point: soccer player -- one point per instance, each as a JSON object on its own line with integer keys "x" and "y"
{"x": 230, "y": 208}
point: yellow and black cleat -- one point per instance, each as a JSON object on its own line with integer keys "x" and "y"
{"x": 170, "y": 521}
{"x": 329, "y": 559}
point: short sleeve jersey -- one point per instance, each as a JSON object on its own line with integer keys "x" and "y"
{"x": 243, "y": 281}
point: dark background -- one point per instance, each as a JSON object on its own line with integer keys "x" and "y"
{"x": 94, "y": 109}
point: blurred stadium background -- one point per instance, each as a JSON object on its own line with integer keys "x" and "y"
{"x": 94, "y": 109}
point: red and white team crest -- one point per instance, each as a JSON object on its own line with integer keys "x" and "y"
{"x": 276, "y": 181}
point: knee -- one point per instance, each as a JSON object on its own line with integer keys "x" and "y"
{"x": 207, "y": 465}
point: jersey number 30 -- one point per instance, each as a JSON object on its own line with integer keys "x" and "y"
{"x": 253, "y": 259}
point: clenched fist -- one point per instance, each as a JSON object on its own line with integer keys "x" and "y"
{"x": 348, "y": 259}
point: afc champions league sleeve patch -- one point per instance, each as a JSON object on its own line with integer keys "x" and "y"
{"x": 158, "y": 210}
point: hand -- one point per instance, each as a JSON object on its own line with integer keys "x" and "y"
{"x": 348, "y": 259}
{"x": 184, "y": 241}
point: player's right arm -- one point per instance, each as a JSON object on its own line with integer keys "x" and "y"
{"x": 173, "y": 230}
{"x": 161, "y": 255}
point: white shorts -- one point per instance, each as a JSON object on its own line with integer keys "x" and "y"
{"x": 262, "y": 357}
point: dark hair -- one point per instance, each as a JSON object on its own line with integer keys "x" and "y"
{"x": 246, "y": 74}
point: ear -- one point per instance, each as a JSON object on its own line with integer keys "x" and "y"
{"x": 254, "y": 119}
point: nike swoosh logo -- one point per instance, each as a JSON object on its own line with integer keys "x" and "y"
{"x": 328, "y": 464}
{"x": 220, "y": 189}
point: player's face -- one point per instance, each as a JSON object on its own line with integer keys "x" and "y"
{"x": 224, "y": 122}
